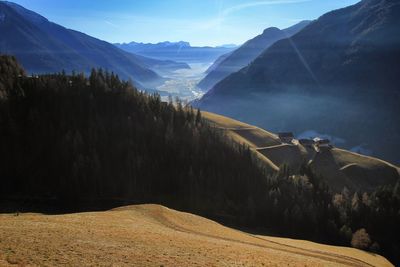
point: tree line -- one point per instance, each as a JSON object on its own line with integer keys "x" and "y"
{"x": 76, "y": 142}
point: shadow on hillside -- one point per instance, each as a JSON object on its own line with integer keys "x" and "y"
{"x": 57, "y": 207}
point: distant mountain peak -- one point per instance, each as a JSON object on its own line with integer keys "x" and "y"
{"x": 180, "y": 43}
{"x": 160, "y": 44}
{"x": 246, "y": 53}
{"x": 347, "y": 59}
{"x": 271, "y": 29}
{"x": 180, "y": 51}
{"x": 183, "y": 43}
{"x": 45, "y": 47}
{"x": 25, "y": 13}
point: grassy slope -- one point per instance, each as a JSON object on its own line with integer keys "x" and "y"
{"x": 338, "y": 167}
{"x": 152, "y": 235}
{"x": 245, "y": 134}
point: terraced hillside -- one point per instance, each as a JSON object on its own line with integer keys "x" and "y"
{"x": 338, "y": 167}
{"x": 153, "y": 235}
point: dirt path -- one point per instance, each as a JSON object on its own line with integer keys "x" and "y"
{"x": 326, "y": 256}
{"x": 272, "y": 147}
{"x": 236, "y": 128}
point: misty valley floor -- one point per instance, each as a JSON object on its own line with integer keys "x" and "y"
{"x": 153, "y": 235}
{"x": 183, "y": 82}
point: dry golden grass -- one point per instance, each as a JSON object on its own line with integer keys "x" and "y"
{"x": 223, "y": 121}
{"x": 243, "y": 133}
{"x": 344, "y": 168}
{"x": 258, "y": 137}
{"x": 152, "y": 235}
{"x": 285, "y": 154}
{"x": 343, "y": 157}
{"x": 324, "y": 164}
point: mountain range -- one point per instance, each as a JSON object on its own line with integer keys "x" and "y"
{"x": 71, "y": 143}
{"x": 177, "y": 51}
{"x": 45, "y": 47}
{"x": 338, "y": 76}
{"x": 245, "y": 54}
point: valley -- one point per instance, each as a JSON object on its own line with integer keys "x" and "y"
{"x": 182, "y": 83}
{"x": 346, "y": 60}
{"x": 129, "y": 136}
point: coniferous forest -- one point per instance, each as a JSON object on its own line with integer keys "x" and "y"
{"x": 72, "y": 143}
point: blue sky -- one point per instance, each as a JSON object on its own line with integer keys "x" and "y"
{"x": 201, "y": 22}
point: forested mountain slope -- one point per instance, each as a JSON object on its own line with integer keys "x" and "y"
{"x": 71, "y": 143}
{"x": 42, "y": 46}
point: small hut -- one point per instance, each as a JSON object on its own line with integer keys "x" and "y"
{"x": 322, "y": 143}
{"x": 286, "y": 137}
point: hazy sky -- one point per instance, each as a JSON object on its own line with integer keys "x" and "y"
{"x": 201, "y": 22}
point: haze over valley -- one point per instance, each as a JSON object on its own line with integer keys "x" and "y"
{"x": 200, "y": 133}
{"x": 182, "y": 83}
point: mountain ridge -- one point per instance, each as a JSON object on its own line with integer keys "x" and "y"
{"x": 346, "y": 60}
{"x": 45, "y": 47}
{"x": 246, "y": 53}
{"x": 177, "y": 51}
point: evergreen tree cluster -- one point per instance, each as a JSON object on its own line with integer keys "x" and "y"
{"x": 74, "y": 141}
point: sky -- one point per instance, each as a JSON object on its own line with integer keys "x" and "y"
{"x": 200, "y": 22}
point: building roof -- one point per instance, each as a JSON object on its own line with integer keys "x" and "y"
{"x": 286, "y": 135}
{"x": 323, "y": 141}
